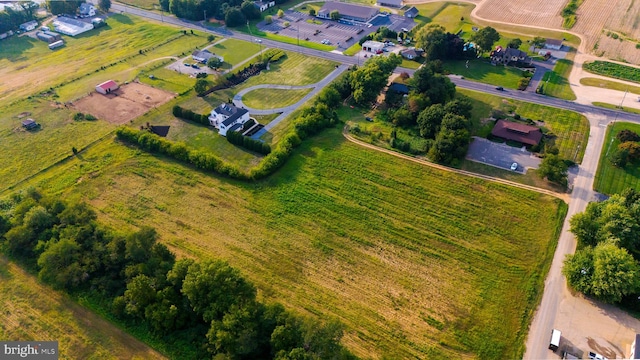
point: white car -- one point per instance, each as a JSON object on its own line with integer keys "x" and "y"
{"x": 514, "y": 166}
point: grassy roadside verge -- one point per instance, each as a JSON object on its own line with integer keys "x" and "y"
{"x": 611, "y": 85}
{"x": 610, "y": 179}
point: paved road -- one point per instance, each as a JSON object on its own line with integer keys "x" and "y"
{"x": 599, "y": 118}
{"x": 501, "y": 155}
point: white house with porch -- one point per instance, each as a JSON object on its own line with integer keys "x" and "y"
{"x": 227, "y": 117}
{"x": 264, "y": 5}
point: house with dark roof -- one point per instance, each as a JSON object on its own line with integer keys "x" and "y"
{"x": 227, "y": 117}
{"x": 522, "y": 133}
{"x": 509, "y": 55}
{"x": 390, "y": 3}
{"x": 411, "y": 13}
{"x": 347, "y": 11}
{"x": 553, "y": 44}
{"x": 30, "y": 124}
{"x": 411, "y": 53}
{"x": 28, "y": 26}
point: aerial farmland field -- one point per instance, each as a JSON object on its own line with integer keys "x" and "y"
{"x": 415, "y": 262}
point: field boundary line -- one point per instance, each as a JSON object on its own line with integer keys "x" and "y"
{"x": 562, "y": 196}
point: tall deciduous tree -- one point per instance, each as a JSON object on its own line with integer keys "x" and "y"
{"x": 485, "y": 38}
{"x": 105, "y": 5}
{"x": 432, "y": 38}
{"x": 554, "y": 169}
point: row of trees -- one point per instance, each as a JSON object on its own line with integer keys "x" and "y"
{"x": 366, "y": 82}
{"x": 10, "y": 18}
{"x": 248, "y": 143}
{"x": 606, "y": 263}
{"x": 206, "y": 307}
{"x": 441, "y": 45}
{"x": 234, "y": 12}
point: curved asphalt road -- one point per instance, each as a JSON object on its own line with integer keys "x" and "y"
{"x": 582, "y": 194}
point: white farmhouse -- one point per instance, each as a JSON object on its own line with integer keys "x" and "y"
{"x": 227, "y": 117}
{"x": 87, "y": 10}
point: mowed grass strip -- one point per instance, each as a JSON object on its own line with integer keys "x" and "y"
{"x": 293, "y": 69}
{"x": 608, "y": 84}
{"x": 483, "y": 71}
{"x": 416, "y": 262}
{"x": 273, "y": 98}
{"x": 27, "y": 66}
{"x": 34, "y": 312}
{"x": 556, "y": 83}
{"x": 571, "y": 129}
{"x": 610, "y": 179}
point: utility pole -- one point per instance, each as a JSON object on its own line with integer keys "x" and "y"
{"x": 205, "y": 16}
{"x": 623, "y": 96}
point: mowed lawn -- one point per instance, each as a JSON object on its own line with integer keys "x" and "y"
{"x": 482, "y": 71}
{"x": 416, "y": 262}
{"x": 608, "y": 84}
{"x": 570, "y": 128}
{"x": 27, "y": 66}
{"x": 293, "y": 69}
{"x": 32, "y": 311}
{"x": 235, "y": 51}
{"x": 556, "y": 83}
{"x": 610, "y": 179}
{"x": 273, "y": 98}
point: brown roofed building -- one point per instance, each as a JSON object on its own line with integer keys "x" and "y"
{"x": 526, "y": 134}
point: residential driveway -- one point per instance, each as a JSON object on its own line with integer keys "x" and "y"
{"x": 501, "y": 155}
{"x": 541, "y": 68}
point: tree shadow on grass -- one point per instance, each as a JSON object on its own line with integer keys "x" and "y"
{"x": 14, "y": 47}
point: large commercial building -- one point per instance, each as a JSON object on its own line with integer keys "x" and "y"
{"x": 347, "y": 11}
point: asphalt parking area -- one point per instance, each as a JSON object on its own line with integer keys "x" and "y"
{"x": 501, "y": 155}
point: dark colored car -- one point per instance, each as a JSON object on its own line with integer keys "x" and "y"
{"x": 500, "y": 88}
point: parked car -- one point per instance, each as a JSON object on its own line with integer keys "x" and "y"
{"x": 500, "y": 88}
{"x": 368, "y": 119}
{"x": 514, "y": 166}
{"x": 195, "y": 66}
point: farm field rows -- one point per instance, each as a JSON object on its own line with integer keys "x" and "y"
{"x": 571, "y": 129}
{"x": 26, "y": 64}
{"x": 527, "y": 12}
{"x": 610, "y": 179}
{"x": 617, "y": 71}
{"x": 32, "y": 311}
{"x": 273, "y": 98}
{"x": 411, "y": 259}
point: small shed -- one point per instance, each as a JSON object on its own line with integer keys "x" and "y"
{"x": 107, "y": 87}
{"x": 30, "y": 124}
{"x": 390, "y": 3}
{"x": 28, "y": 26}
{"x": 553, "y": 44}
{"x": 411, "y": 13}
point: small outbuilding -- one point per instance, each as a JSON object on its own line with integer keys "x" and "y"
{"x": 411, "y": 53}
{"x": 553, "y": 44}
{"x": 107, "y": 87}
{"x": 390, "y": 3}
{"x": 30, "y": 124}
{"x": 28, "y": 26}
{"x": 373, "y": 46}
{"x": 411, "y": 13}
{"x": 522, "y": 133}
{"x": 264, "y": 5}
{"x": 204, "y": 56}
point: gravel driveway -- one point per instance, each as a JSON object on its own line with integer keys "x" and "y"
{"x": 501, "y": 155}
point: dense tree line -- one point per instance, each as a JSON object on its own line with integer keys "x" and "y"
{"x": 628, "y": 151}
{"x": 234, "y": 12}
{"x": 248, "y": 143}
{"x": 366, "y": 82}
{"x": 10, "y": 18}
{"x": 606, "y": 263}
{"x": 190, "y": 115}
{"x": 69, "y": 7}
{"x": 439, "y": 44}
{"x": 206, "y": 308}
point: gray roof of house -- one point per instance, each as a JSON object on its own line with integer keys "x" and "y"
{"x": 205, "y": 54}
{"x": 85, "y": 7}
{"x": 390, "y": 2}
{"x": 29, "y": 23}
{"x": 231, "y": 111}
{"x": 514, "y": 52}
{"x": 234, "y": 128}
{"x": 553, "y": 42}
{"x": 350, "y": 10}
{"x": 411, "y": 12}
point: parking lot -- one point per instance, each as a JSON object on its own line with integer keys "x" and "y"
{"x": 501, "y": 155}
{"x": 342, "y": 34}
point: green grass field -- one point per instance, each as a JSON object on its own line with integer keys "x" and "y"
{"x": 571, "y": 129}
{"x": 27, "y": 65}
{"x": 555, "y": 83}
{"x": 617, "y": 107}
{"x": 448, "y": 15}
{"x": 235, "y": 51}
{"x": 613, "y": 70}
{"x": 273, "y": 98}
{"x": 294, "y": 69}
{"x": 608, "y": 84}
{"x": 610, "y": 179}
{"x": 342, "y": 231}
{"x": 143, "y": 4}
{"x": 483, "y": 71}
{"x": 352, "y": 50}
{"x": 32, "y": 311}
